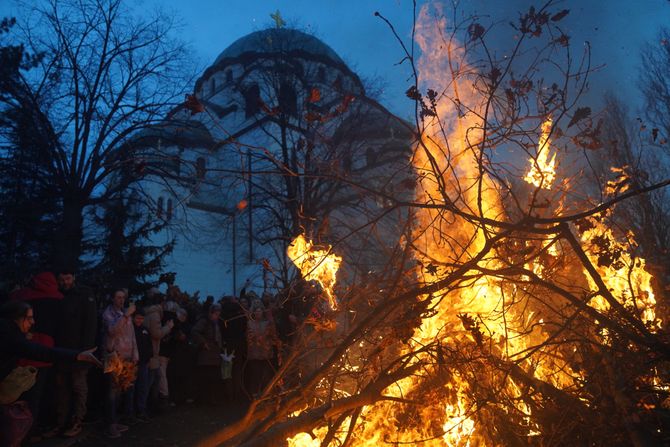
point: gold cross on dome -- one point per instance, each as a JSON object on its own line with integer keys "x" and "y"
{"x": 279, "y": 22}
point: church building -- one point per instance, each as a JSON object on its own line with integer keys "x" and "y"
{"x": 278, "y": 139}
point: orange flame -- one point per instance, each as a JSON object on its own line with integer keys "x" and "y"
{"x": 320, "y": 265}
{"x": 123, "y": 371}
{"x": 542, "y": 172}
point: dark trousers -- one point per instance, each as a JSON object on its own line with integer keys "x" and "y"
{"x": 259, "y": 373}
{"x": 145, "y": 379}
{"x": 114, "y": 396}
{"x": 71, "y": 393}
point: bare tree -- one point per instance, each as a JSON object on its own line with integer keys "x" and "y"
{"x": 655, "y": 82}
{"x": 106, "y": 74}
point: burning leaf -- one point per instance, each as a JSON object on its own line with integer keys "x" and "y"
{"x": 580, "y": 114}
{"x": 191, "y": 103}
{"x": 314, "y": 95}
{"x": 242, "y": 204}
{"x": 621, "y": 182}
{"x": 560, "y": 15}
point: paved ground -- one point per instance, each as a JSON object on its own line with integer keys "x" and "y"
{"x": 179, "y": 426}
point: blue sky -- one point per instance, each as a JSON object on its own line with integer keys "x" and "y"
{"x": 615, "y": 28}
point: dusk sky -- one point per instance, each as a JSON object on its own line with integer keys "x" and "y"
{"x": 616, "y": 30}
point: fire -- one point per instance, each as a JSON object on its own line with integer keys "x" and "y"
{"x": 447, "y": 168}
{"x": 123, "y": 371}
{"x": 542, "y": 171}
{"x": 625, "y": 276}
{"x": 320, "y": 265}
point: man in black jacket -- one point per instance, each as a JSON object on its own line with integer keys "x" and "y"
{"x": 77, "y": 330}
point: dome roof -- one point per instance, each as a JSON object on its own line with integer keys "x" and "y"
{"x": 274, "y": 40}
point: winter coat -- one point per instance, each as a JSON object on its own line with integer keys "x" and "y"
{"x": 152, "y": 321}
{"x": 14, "y": 345}
{"x": 119, "y": 334}
{"x": 207, "y": 335}
{"x": 79, "y": 318}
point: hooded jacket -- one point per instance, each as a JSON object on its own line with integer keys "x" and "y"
{"x": 46, "y": 300}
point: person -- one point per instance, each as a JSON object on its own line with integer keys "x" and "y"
{"x": 143, "y": 381}
{"x": 233, "y": 331}
{"x": 44, "y": 297}
{"x": 119, "y": 342}
{"x": 261, "y": 340}
{"x": 153, "y": 321}
{"x": 77, "y": 330}
{"x": 206, "y": 334}
{"x": 16, "y": 320}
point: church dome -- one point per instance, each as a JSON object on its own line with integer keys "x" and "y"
{"x": 278, "y": 40}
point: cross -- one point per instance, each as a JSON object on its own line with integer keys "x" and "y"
{"x": 279, "y": 22}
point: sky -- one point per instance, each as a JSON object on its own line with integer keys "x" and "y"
{"x": 616, "y": 29}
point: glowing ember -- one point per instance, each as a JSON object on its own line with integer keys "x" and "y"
{"x": 542, "y": 171}
{"x": 320, "y": 265}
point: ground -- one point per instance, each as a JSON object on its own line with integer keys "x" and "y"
{"x": 179, "y": 426}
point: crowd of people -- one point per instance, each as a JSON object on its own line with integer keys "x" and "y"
{"x": 63, "y": 348}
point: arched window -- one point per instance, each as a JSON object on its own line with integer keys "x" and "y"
{"x": 212, "y": 85}
{"x": 159, "y": 207}
{"x": 229, "y": 76}
{"x": 252, "y": 100}
{"x": 168, "y": 212}
{"x": 288, "y": 102}
{"x": 200, "y": 167}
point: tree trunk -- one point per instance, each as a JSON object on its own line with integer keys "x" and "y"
{"x": 70, "y": 235}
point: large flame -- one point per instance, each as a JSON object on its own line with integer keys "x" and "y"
{"x": 320, "y": 265}
{"x": 542, "y": 170}
{"x": 450, "y": 170}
